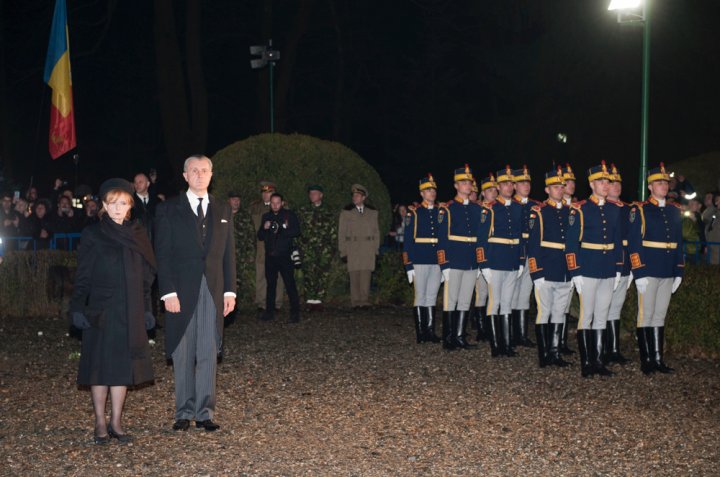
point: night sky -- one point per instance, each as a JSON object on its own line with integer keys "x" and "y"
{"x": 412, "y": 86}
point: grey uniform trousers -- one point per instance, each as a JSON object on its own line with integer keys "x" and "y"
{"x": 523, "y": 290}
{"x": 618, "y": 299}
{"x": 500, "y": 291}
{"x": 458, "y": 289}
{"x": 195, "y": 362}
{"x": 552, "y": 298}
{"x": 427, "y": 283}
{"x": 481, "y": 291}
{"x": 653, "y": 304}
{"x": 595, "y": 302}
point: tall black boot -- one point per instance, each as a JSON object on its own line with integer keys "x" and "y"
{"x": 658, "y": 334}
{"x": 418, "y": 318}
{"x": 521, "y": 338}
{"x": 479, "y": 318}
{"x": 597, "y": 355}
{"x": 646, "y": 363}
{"x": 554, "y": 348}
{"x": 564, "y": 349}
{"x": 493, "y": 326}
{"x": 460, "y": 341}
{"x": 430, "y": 325}
{"x": 514, "y": 328}
{"x": 586, "y": 367}
{"x": 506, "y": 336}
{"x": 541, "y": 334}
{"x": 449, "y": 321}
{"x": 613, "y": 343}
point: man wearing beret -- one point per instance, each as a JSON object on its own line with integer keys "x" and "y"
{"x": 317, "y": 244}
{"x": 257, "y": 209}
{"x": 359, "y": 244}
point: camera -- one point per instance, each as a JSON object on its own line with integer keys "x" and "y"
{"x": 275, "y": 227}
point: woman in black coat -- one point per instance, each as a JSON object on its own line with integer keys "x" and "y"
{"x": 111, "y": 304}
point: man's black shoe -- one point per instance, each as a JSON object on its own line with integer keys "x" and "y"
{"x": 208, "y": 425}
{"x": 181, "y": 425}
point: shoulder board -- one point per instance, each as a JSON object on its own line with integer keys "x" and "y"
{"x": 448, "y": 203}
{"x": 536, "y": 202}
{"x": 490, "y": 203}
{"x": 628, "y": 204}
{"x": 577, "y": 205}
{"x": 638, "y": 203}
{"x": 537, "y": 207}
{"x": 675, "y": 204}
{"x": 411, "y": 208}
{"x": 619, "y": 203}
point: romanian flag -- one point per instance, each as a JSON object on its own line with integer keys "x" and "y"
{"x": 57, "y": 76}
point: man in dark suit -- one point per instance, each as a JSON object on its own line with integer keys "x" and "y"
{"x": 145, "y": 202}
{"x": 196, "y": 271}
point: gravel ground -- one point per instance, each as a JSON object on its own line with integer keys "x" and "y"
{"x": 350, "y": 393}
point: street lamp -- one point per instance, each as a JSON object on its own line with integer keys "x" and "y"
{"x": 638, "y": 12}
{"x": 268, "y": 56}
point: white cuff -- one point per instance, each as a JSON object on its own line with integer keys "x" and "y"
{"x": 169, "y": 295}
{"x": 232, "y": 294}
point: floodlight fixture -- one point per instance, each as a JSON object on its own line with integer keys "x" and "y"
{"x": 624, "y": 4}
{"x": 268, "y": 56}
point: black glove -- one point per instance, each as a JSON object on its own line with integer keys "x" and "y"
{"x": 344, "y": 259}
{"x": 149, "y": 320}
{"x": 79, "y": 320}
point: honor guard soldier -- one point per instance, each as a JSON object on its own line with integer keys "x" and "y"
{"x": 504, "y": 250}
{"x": 612, "y": 335}
{"x": 655, "y": 244}
{"x": 594, "y": 256}
{"x": 524, "y": 286}
{"x": 569, "y": 198}
{"x": 547, "y": 225}
{"x": 488, "y": 191}
{"x": 421, "y": 261}
{"x": 460, "y": 222}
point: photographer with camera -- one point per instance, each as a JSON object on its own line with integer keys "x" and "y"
{"x": 277, "y": 229}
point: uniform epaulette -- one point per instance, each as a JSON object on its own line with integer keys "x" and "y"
{"x": 411, "y": 208}
{"x": 490, "y": 203}
{"x": 446, "y": 204}
{"x": 537, "y": 207}
{"x": 675, "y": 204}
{"x": 627, "y": 203}
{"x": 537, "y": 202}
{"x": 619, "y": 203}
{"x": 578, "y": 204}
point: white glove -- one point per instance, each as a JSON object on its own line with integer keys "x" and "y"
{"x": 630, "y": 279}
{"x": 487, "y": 273}
{"x": 539, "y": 283}
{"x": 520, "y": 270}
{"x": 445, "y": 275}
{"x": 676, "y": 284}
{"x": 617, "y": 280}
{"x": 641, "y": 284}
{"x": 578, "y": 281}
{"x": 411, "y": 275}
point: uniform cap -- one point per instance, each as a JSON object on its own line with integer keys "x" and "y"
{"x": 568, "y": 173}
{"x": 504, "y": 175}
{"x": 488, "y": 182}
{"x": 555, "y": 177}
{"x": 520, "y": 175}
{"x": 614, "y": 174}
{"x": 658, "y": 174}
{"x": 360, "y": 189}
{"x": 463, "y": 174}
{"x": 267, "y": 186}
{"x": 598, "y": 172}
{"x": 427, "y": 182}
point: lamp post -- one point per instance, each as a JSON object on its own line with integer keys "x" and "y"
{"x": 268, "y": 56}
{"x": 638, "y": 12}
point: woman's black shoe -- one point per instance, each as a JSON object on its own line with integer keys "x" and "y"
{"x": 123, "y": 438}
{"x": 101, "y": 440}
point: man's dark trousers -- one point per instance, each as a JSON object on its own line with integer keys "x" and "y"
{"x": 284, "y": 266}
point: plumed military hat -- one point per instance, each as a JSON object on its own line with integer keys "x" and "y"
{"x": 520, "y": 175}
{"x": 488, "y": 182}
{"x": 658, "y": 174}
{"x": 463, "y": 174}
{"x": 504, "y": 175}
{"x": 568, "y": 173}
{"x": 427, "y": 182}
{"x": 614, "y": 174}
{"x": 598, "y": 172}
{"x": 555, "y": 177}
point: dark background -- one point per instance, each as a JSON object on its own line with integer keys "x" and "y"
{"x": 412, "y": 86}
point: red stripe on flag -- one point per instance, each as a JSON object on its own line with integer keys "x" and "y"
{"x": 62, "y": 132}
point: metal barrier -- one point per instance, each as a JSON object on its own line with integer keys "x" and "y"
{"x": 698, "y": 256}
{"x": 30, "y": 243}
